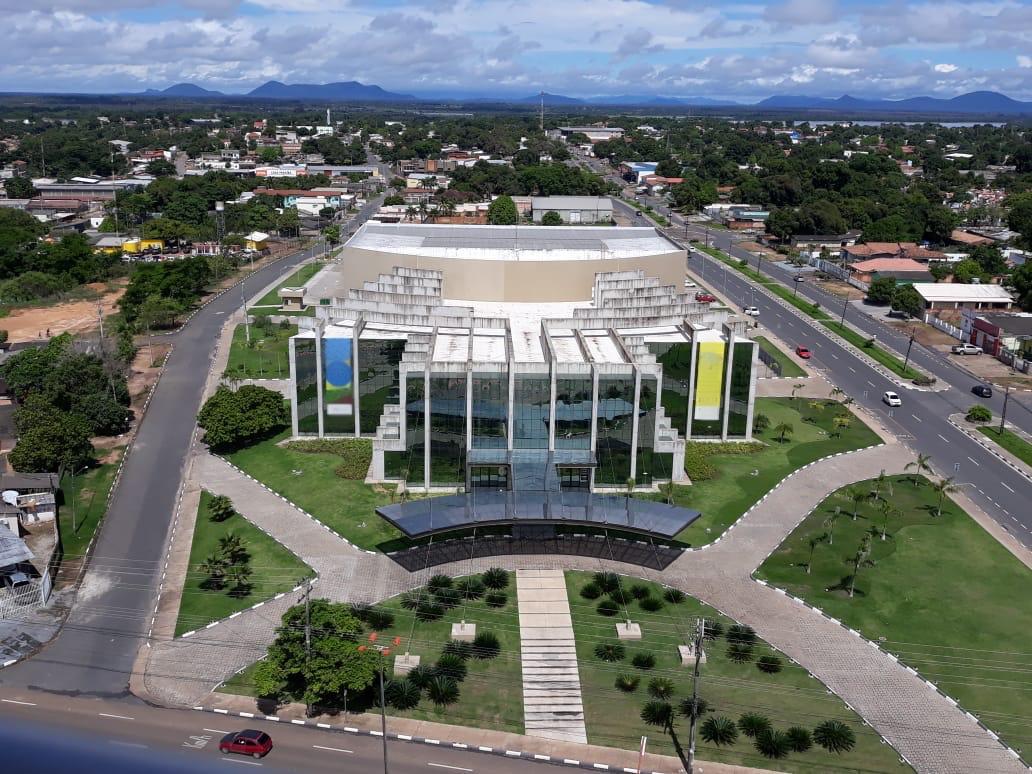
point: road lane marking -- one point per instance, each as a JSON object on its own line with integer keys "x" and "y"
{"x": 446, "y": 766}
{"x": 871, "y": 383}
{"x": 215, "y": 730}
{"x": 127, "y": 744}
{"x": 116, "y": 717}
{"x": 974, "y": 461}
{"x": 333, "y": 749}
{"x": 1008, "y": 488}
{"x": 246, "y": 763}
{"x": 940, "y": 435}
{"x": 834, "y": 355}
{"x": 30, "y": 704}
{"x": 852, "y": 369}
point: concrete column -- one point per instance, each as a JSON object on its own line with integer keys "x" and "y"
{"x": 377, "y": 470}
{"x": 319, "y": 379}
{"x": 354, "y": 378}
{"x": 594, "y": 421}
{"x": 677, "y": 466}
{"x": 752, "y": 393}
{"x": 726, "y": 408}
{"x": 511, "y": 418}
{"x": 691, "y": 386}
{"x": 426, "y": 427}
{"x": 634, "y": 426}
{"x": 551, "y": 406}
{"x": 292, "y": 363}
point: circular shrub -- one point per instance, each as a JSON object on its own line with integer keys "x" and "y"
{"x": 650, "y": 604}
{"x": 657, "y": 713}
{"x": 608, "y": 608}
{"x": 610, "y": 651}
{"x": 643, "y": 660}
{"x": 739, "y": 653}
{"x": 448, "y": 598}
{"x": 420, "y": 676}
{"x": 429, "y": 610}
{"x": 438, "y": 582}
{"x": 627, "y": 683}
{"x": 834, "y": 736}
{"x": 402, "y": 694}
{"x": 770, "y": 665}
{"x": 443, "y": 691}
{"x": 620, "y": 595}
{"x": 693, "y": 707}
{"x": 376, "y": 618}
{"x": 742, "y": 634}
{"x": 714, "y": 630}
{"x": 640, "y": 591}
{"x": 674, "y": 596}
{"x": 773, "y": 744}
{"x": 486, "y": 645}
{"x": 799, "y": 739}
{"x": 661, "y": 688}
{"x": 591, "y": 591}
{"x": 410, "y": 599}
{"x": 450, "y": 665}
{"x": 360, "y": 610}
{"x": 607, "y": 581}
{"x": 978, "y": 413}
{"x": 752, "y": 723}
{"x": 719, "y": 730}
{"x": 458, "y": 648}
{"x": 496, "y": 599}
{"x": 471, "y": 587}
{"x": 496, "y": 578}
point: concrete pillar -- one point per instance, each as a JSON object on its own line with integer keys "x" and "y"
{"x": 726, "y": 401}
{"x": 292, "y": 364}
{"x": 634, "y": 426}
{"x": 319, "y": 379}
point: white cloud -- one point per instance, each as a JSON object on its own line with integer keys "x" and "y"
{"x": 945, "y": 68}
{"x": 1024, "y": 61}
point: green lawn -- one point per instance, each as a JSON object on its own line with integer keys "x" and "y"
{"x": 275, "y": 569}
{"x": 789, "y": 368}
{"x": 1010, "y": 441}
{"x": 491, "y": 695}
{"x": 943, "y": 595}
{"x": 859, "y": 340}
{"x": 78, "y": 524}
{"x": 307, "y": 479}
{"x": 266, "y": 357}
{"x": 295, "y": 280}
{"x": 735, "y": 488}
{"x": 789, "y": 698}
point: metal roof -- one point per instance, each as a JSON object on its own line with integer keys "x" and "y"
{"x": 12, "y": 548}
{"x": 954, "y": 291}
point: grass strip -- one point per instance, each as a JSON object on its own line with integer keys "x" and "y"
{"x": 1010, "y": 441}
{"x": 788, "y": 367}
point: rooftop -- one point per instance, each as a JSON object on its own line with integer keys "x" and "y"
{"x": 955, "y": 291}
{"x": 1014, "y": 324}
{"x": 571, "y": 203}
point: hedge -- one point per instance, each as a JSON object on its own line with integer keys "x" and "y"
{"x": 696, "y": 456}
{"x": 357, "y": 453}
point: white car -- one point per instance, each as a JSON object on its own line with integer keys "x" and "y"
{"x": 689, "y": 284}
{"x": 752, "y": 311}
{"x": 891, "y": 399}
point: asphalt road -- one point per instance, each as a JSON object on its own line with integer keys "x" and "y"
{"x": 56, "y": 734}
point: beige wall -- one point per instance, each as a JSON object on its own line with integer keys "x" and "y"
{"x": 526, "y": 281}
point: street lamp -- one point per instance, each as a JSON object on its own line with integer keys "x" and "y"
{"x": 910, "y": 344}
{"x": 383, "y": 650}
{"x": 1003, "y": 415}
{"x": 845, "y": 303}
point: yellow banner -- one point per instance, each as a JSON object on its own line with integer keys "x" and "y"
{"x": 709, "y": 380}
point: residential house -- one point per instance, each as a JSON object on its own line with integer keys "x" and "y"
{"x": 862, "y": 252}
{"x": 903, "y": 270}
{"x": 996, "y": 332}
{"x": 830, "y": 242}
{"x": 257, "y": 241}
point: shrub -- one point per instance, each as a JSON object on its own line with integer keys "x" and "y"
{"x": 220, "y": 508}
{"x": 620, "y": 595}
{"x": 673, "y": 596}
{"x": 978, "y": 413}
{"x": 374, "y": 617}
{"x": 697, "y": 456}
{"x": 607, "y": 581}
{"x": 443, "y": 691}
{"x": 610, "y": 651}
{"x": 450, "y": 665}
{"x": 924, "y": 380}
{"x": 410, "y": 600}
{"x": 486, "y": 645}
{"x": 834, "y": 736}
{"x": 429, "y": 610}
{"x": 799, "y": 739}
{"x": 420, "y": 676}
{"x": 608, "y": 608}
{"x": 760, "y": 423}
{"x": 661, "y": 688}
{"x": 752, "y": 723}
{"x": 770, "y": 665}
{"x": 719, "y": 730}
{"x": 627, "y": 683}
{"x": 741, "y": 633}
{"x": 496, "y": 599}
{"x": 773, "y": 744}
{"x": 640, "y": 591}
{"x": 471, "y": 587}
{"x": 402, "y": 694}
{"x": 438, "y": 582}
{"x": 496, "y": 578}
{"x": 650, "y": 604}
{"x": 459, "y": 648}
{"x": 591, "y": 591}
{"x": 657, "y": 713}
{"x": 448, "y": 598}
{"x": 693, "y": 707}
{"x": 714, "y": 630}
{"x": 356, "y": 454}
{"x": 643, "y": 660}
{"x": 739, "y": 653}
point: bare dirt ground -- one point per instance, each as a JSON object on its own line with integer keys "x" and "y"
{"x": 756, "y": 248}
{"x": 925, "y": 334}
{"x": 32, "y": 323}
{"x": 842, "y": 289}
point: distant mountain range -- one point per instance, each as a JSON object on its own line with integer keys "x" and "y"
{"x": 974, "y": 103}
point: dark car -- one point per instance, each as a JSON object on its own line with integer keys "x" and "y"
{"x": 257, "y": 744}
{"x": 982, "y": 390}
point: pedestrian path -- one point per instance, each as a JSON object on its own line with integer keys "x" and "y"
{"x": 552, "y": 706}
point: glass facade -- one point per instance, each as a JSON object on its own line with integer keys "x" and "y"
{"x": 338, "y": 386}
{"x": 448, "y": 430}
{"x": 676, "y": 360}
{"x": 490, "y": 411}
{"x": 531, "y": 414}
{"x": 573, "y": 403}
{"x": 615, "y": 425}
{"x": 415, "y": 425}
{"x": 741, "y": 378}
{"x": 306, "y": 387}
{"x": 377, "y": 379}
{"x": 651, "y": 466}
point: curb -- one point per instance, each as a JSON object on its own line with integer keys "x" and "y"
{"x": 255, "y": 606}
{"x": 497, "y": 751}
{"x": 988, "y": 445}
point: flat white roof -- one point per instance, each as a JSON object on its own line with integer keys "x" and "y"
{"x": 602, "y": 348}
{"x": 954, "y": 291}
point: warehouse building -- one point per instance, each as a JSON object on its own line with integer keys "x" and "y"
{"x": 574, "y": 210}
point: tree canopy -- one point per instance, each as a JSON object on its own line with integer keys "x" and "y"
{"x": 235, "y": 417}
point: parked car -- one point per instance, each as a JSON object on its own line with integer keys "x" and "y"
{"x": 965, "y": 349}
{"x": 16, "y": 580}
{"x": 891, "y": 399}
{"x": 689, "y": 284}
{"x": 257, "y": 744}
{"x": 803, "y": 352}
{"x": 708, "y": 298}
{"x": 982, "y": 390}
{"x": 752, "y": 311}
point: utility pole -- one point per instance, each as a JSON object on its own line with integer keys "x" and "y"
{"x": 1003, "y": 416}
{"x": 243, "y": 303}
{"x": 699, "y": 635}
{"x": 844, "y": 305}
{"x": 910, "y": 344}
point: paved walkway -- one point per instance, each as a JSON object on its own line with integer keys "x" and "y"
{"x": 552, "y": 707}
{"x": 930, "y": 731}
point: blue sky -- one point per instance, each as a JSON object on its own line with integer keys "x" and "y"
{"x": 738, "y": 50}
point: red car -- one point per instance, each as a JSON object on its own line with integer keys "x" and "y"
{"x": 708, "y": 298}
{"x": 257, "y": 744}
{"x": 803, "y": 352}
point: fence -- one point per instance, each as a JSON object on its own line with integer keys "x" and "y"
{"x": 945, "y": 327}
{"x": 768, "y": 360}
{"x": 15, "y": 602}
{"x": 838, "y": 271}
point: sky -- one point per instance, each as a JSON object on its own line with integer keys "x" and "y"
{"x": 734, "y": 50}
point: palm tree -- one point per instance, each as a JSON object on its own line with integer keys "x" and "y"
{"x": 214, "y": 566}
{"x": 658, "y": 713}
{"x": 888, "y": 509}
{"x": 942, "y": 488}
{"x": 443, "y": 690}
{"x": 783, "y": 429}
{"x": 815, "y": 541}
{"x": 834, "y": 736}
{"x": 881, "y": 481}
{"x": 836, "y": 392}
{"x": 829, "y": 522}
{"x": 668, "y": 492}
{"x": 796, "y": 388}
{"x": 841, "y": 423}
{"x": 239, "y": 575}
{"x": 862, "y": 558}
{"x": 231, "y": 548}
{"x": 857, "y": 495}
{"x": 922, "y": 465}
{"x": 719, "y": 730}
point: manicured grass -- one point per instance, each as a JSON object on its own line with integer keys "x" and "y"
{"x": 89, "y": 492}
{"x": 942, "y": 594}
{"x": 346, "y": 507}
{"x": 1010, "y": 441}
{"x": 788, "y": 367}
{"x": 295, "y": 280}
{"x": 859, "y": 341}
{"x": 490, "y": 696}
{"x": 275, "y": 569}
{"x": 267, "y": 356}
{"x": 735, "y": 488}
{"x": 789, "y": 698}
